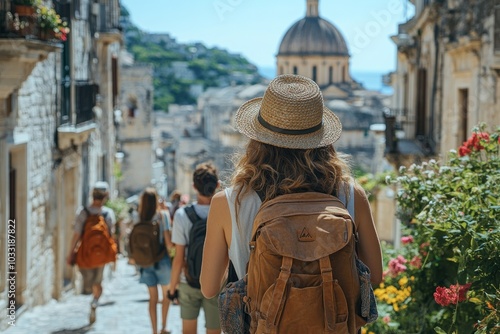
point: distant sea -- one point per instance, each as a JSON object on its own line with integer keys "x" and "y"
{"x": 370, "y": 80}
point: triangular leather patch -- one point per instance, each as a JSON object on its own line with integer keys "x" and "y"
{"x": 305, "y": 235}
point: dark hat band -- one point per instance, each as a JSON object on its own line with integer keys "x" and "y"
{"x": 287, "y": 131}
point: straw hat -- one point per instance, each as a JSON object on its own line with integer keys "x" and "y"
{"x": 291, "y": 115}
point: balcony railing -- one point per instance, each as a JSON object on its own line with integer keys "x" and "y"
{"x": 403, "y": 121}
{"x": 85, "y": 101}
{"x": 16, "y": 24}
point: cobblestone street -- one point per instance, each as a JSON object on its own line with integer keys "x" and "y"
{"x": 122, "y": 309}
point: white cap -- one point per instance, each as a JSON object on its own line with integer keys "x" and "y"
{"x": 101, "y": 186}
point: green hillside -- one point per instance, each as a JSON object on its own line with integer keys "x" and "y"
{"x": 182, "y": 71}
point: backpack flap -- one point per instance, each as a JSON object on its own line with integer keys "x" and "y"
{"x": 144, "y": 243}
{"x": 321, "y": 227}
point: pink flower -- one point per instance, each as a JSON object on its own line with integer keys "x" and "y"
{"x": 401, "y": 259}
{"x": 463, "y": 150}
{"x": 407, "y": 240}
{"x": 454, "y": 294}
{"x": 386, "y": 319}
{"x": 416, "y": 262}
{"x": 397, "y": 266}
{"x": 443, "y": 296}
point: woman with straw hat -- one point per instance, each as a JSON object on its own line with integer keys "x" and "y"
{"x": 290, "y": 150}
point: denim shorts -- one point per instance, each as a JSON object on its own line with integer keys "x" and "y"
{"x": 158, "y": 273}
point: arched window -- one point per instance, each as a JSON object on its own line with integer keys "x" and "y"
{"x": 295, "y": 70}
{"x": 343, "y": 74}
{"x": 330, "y": 75}
{"x": 314, "y": 73}
{"x": 281, "y": 70}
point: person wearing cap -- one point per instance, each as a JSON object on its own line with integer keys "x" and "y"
{"x": 291, "y": 135}
{"x": 92, "y": 277}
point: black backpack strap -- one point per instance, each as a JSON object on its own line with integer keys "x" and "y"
{"x": 191, "y": 213}
{"x": 232, "y": 276}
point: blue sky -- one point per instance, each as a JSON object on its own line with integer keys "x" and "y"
{"x": 255, "y": 28}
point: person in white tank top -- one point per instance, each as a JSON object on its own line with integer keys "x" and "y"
{"x": 290, "y": 150}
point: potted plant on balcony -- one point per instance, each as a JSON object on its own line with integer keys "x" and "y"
{"x": 20, "y": 25}
{"x": 24, "y": 7}
{"x": 50, "y": 24}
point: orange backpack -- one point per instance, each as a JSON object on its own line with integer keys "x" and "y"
{"x": 97, "y": 247}
{"x": 302, "y": 275}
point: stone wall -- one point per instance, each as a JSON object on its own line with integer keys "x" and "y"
{"x": 36, "y": 117}
{"x": 135, "y": 133}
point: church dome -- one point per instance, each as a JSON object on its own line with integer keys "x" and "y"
{"x": 313, "y": 36}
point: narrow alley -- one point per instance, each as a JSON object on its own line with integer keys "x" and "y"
{"x": 122, "y": 309}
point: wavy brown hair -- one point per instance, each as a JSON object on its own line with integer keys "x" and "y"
{"x": 273, "y": 171}
{"x": 148, "y": 204}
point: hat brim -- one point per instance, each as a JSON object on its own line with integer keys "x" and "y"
{"x": 247, "y": 123}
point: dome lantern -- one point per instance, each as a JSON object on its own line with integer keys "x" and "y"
{"x": 312, "y": 8}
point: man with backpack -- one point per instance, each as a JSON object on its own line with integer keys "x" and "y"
{"x": 92, "y": 245}
{"x": 188, "y": 234}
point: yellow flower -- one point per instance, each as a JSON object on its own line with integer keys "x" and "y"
{"x": 403, "y": 281}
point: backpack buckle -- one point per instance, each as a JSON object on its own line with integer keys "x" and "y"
{"x": 326, "y": 271}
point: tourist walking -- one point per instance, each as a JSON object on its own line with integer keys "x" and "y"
{"x": 92, "y": 245}
{"x": 150, "y": 241}
{"x": 290, "y": 150}
{"x": 189, "y": 248}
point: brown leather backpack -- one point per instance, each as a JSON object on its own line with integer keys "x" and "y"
{"x": 97, "y": 247}
{"x": 302, "y": 275}
{"x": 145, "y": 246}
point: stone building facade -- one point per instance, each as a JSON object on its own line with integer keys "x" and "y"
{"x": 56, "y": 140}
{"x": 135, "y": 138}
{"x": 312, "y": 47}
{"x": 447, "y": 77}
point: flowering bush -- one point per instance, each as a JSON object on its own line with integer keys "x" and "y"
{"x": 445, "y": 277}
{"x": 50, "y": 22}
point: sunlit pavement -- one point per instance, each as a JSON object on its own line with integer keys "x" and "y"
{"x": 123, "y": 308}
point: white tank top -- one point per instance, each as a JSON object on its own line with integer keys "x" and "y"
{"x": 239, "y": 251}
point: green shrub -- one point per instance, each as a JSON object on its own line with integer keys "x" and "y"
{"x": 445, "y": 277}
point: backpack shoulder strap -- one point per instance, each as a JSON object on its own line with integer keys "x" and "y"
{"x": 87, "y": 212}
{"x": 191, "y": 213}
